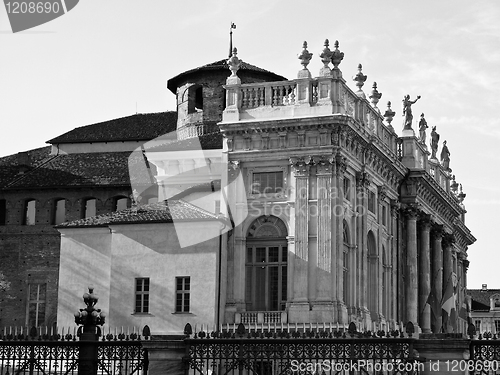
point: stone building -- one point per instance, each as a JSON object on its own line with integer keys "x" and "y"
{"x": 485, "y": 309}
{"x": 321, "y": 212}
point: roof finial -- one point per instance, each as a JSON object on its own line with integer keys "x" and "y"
{"x": 305, "y": 58}
{"x": 337, "y": 58}
{"x": 389, "y": 115}
{"x": 360, "y": 79}
{"x": 233, "y": 26}
{"x": 326, "y": 57}
{"x": 375, "y": 96}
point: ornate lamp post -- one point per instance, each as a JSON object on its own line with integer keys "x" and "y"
{"x": 90, "y": 318}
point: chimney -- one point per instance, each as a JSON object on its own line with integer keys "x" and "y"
{"x": 23, "y": 161}
{"x": 484, "y": 287}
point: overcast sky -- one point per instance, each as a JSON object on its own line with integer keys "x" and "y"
{"x": 104, "y": 59}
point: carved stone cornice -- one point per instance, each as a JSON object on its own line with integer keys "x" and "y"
{"x": 301, "y": 165}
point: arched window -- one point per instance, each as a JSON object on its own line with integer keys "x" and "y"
{"x": 120, "y": 203}
{"x": 266, "y": 265}
{"x": 373, "y": 274}
{"x": 195, "y": 99}
{"x": 346, "y": 291}
{"x": 59, "y": 215}
{"x": 29, "y": 212}
{"x": 89, "y": 208}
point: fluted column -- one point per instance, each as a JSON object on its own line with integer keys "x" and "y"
{"x": 395, "y": 206}
{"x": 425, "y": 274}
{"x": 324, "y": 168}
{"x": 437, "y": 276}
{"x": 301, "y": 171}
{"x": 411, "y": 265}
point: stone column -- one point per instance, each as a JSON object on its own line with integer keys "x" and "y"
{"x": 425, "y": 274}
{"x": 338, "y": 245}
{"x": 411, "y": 265}
{"x": 447, "y": 245}
{"x": 299, "y": 309}
{"x": 437, "y": 276}
{"x": 362, "y": 183}
{"x": 324, "y": 272}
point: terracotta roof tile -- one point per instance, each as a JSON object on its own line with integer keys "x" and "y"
{"x": 138, "y": 127}
{"x": 161, "y": 212}
{"x": 15, "y": 166}
{"x": 481, "y": 298}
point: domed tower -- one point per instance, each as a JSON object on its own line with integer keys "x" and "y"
{"x": 201, "y": 96}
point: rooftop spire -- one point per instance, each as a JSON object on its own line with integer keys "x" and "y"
{"x": 233, "y": 26}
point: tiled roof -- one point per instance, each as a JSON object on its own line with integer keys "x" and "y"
{"x": 222, "y": 65}
{"x": 15, "y": 166}
{"x": 161, "y": 212}
{"x": 138, "y": 127}
{"x": 481, "y": 298}
{"x": 72, "y": 170}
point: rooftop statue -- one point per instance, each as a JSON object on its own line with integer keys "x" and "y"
{"x": 422, "y": 125}
{"x": 445, "y": 156}
{"x": 434, "y": 142}
{"x": 407, "y": 111}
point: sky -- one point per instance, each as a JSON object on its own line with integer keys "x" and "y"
{"x": 110, "y": 59}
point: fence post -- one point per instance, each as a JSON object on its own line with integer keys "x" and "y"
{"x": 89, "y": 334}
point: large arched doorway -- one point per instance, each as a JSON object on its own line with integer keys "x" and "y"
{"x": 266, "y": 265}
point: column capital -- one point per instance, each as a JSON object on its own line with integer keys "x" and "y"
{"x": 363, "y": 180}
{"x": 395, "y": 207}
{"x": 448, "y": 239}
{"x": 301, "y": 165}
{"x": 324, "y": 165}
{"x": 425, "y": 221}
{"x": 411, "y": 211}
{"x": 437, "y": 231}
{"x": 382, "y": 193}
{"x": 341, "y": 164}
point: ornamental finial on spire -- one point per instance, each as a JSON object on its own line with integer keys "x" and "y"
{"x": 337, "y": 58}
{"x": 305, "y": 57}
{"x": 234, "y": 62}
{"x": 360, "y": 79}
{"x": 375, "y": 96}
{"x": 389, "y": 115}
{"x": 326, "y": 57}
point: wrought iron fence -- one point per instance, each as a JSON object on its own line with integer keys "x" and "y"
{"x": 303, "y": 351}
{"x": 484, "y": 355}
{"x": 37, "y": 353}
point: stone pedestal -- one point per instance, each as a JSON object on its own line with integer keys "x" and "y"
{"x": 442, "y": 353}
{"x": 299, "y": 312}
{"x": 165, "y": 357}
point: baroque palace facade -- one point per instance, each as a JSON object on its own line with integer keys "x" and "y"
{"x": 322, "y": 213}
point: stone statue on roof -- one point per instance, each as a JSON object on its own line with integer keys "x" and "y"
{"x": 422, "y": 125}
{"x": 407, "y": 103}
{"x": 445, "y": 156}
{"x": 434, "y": 142}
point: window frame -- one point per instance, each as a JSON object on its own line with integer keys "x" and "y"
{"x": 282, "y": 194}
{"x": 39, "y": 304}
{"x": 139, "y": 295}
{"x": 27, "y": 210}
{"x": 184, "y": 294}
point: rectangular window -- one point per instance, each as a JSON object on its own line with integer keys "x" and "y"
{"x": 182, "y": 290}
{"x": 37, "y": 296}
{"x": 267, "y": 182}
{"x": 90, "y": 208}
{"x": 371, "y": 201}
{"x": 347, "y": 189}
{"x": 384, "y": 215}
{"x": 60, "y": 211}
{"x": 142, "y": 295}
{"x": 30, "y": 212}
